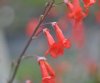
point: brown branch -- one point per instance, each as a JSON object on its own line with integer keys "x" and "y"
{"x": 42, "y": 18}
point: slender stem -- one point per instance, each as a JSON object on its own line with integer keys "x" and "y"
{"x": 42, "y": 18}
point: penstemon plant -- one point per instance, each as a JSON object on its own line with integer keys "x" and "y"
{"x": 76, "y": 14}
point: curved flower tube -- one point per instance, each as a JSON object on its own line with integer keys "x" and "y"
{"x": 48, "y": 74}
{"x": 61, "y": 39}
{"x": 54, "y": 48}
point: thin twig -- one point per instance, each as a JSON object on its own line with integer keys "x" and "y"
{"x": 42, "y": 18}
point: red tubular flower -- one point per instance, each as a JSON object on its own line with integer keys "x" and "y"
{"x": 76, "y": 13}
{"x": 88, "y": 3}
{"x": 54, "y": 48}
{"x": 61, "y": 39}
{"x": 76, "y": 3}
{"x": 48, "y": 75}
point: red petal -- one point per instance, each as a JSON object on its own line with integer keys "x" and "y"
{"x": 56, "y": 50}
{"x": 76, "y": 3}
{"x": 43, "y": 69}
{"x": 48, "y": 80}
{"x": 58, "y": 31}
{"x": 67, "y": 44}
{"x": 50, "y": 70}
{"x": 49, "y": 37}
{"x": 88, "y": 3}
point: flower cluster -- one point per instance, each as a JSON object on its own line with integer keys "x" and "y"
{"x": 75, "y": 10}
{"x": 56, "y": 47}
